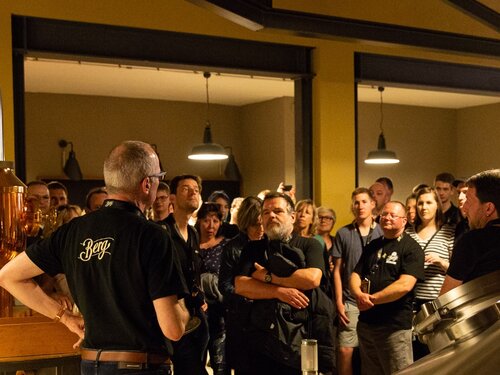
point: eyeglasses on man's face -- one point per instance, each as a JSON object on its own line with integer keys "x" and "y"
{"x": 160, "y": 176}
{"x": 391, "y": 216}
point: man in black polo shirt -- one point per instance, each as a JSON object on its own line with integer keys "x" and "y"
{"x": 190, "y": 352}
{"x": 383, "y": 282}
{"x": 121, "y": 270}
{"x": 477, "y": 252}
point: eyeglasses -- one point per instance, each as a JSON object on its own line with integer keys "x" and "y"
{"x": 160, "y": 176}
{"x": 327, "y": 218}
{"x": 391, "y": 216}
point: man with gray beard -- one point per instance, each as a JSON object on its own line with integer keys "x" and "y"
{"x": 278, "y": 273}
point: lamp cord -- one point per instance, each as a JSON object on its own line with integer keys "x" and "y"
{"x": 207, "y": 76}
{"x": 381, "y": 89}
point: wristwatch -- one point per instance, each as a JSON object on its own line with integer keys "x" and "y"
{"x": 268, "y": 278}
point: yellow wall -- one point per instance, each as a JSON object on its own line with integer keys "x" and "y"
{"x": 483, "y": 152}
{"x": 333, "y": 88}
{"x": 266, "y": 146}
{"x": 427, "y": 14}
{"x": 95, "y": 124}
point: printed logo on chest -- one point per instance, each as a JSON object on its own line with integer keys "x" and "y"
{"x": 392, "y": 259}
{"x": 95, "y": 248}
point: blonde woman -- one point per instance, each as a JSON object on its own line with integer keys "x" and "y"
{"x": 306, "y": 218}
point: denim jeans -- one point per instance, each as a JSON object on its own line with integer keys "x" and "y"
{"x": 111, "y": 368}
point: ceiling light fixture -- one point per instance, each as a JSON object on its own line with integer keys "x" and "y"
{"x": 207, "y": 150}
{"x": 381, "y": 155}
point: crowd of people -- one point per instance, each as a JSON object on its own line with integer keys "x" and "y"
{"x": 148, "y": 275}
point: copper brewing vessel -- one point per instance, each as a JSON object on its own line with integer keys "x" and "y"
{"x": 12, "y": 231}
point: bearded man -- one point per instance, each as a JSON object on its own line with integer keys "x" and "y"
{"x": 284, "y": 268}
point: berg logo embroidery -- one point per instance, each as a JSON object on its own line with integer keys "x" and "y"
{"x": 95, "y": 248}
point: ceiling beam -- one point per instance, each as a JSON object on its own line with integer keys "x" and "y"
{"x": 479, "y": 11}
{"x": 257, "y": 15}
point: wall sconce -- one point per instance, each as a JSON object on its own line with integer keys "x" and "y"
{"x": 70, "y": 166}
{"x": 381, "y": 155}
{"x": 232, "y": 172}
{"x": 155, "y": 147}
{"x": 207, "y": 150}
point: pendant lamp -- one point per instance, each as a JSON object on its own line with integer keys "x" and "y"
{"x": 207, "y": 150}
{"x": 381, "y": 155}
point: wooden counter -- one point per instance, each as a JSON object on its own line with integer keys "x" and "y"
{"x": 65, "y": 364}
{"x": 34, "y": 342}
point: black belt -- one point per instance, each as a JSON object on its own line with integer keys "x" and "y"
{"x": 125, "y": 357}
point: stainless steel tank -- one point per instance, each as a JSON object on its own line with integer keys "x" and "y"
{"x": 12, "y": 224}
{"x": 462, "y": 330}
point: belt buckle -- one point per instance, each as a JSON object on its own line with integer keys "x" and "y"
{"x": 131, "y": 366}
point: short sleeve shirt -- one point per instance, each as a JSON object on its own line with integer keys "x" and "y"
{"x": 254, "y": 252}
{"x": 188, "y": 251}
{"x": 383, "y": 262}
{"x": 476, "y": 254}
{"x": 442, "y": 245}
{"x": 348, "y": 246}
{"x": 116, "y": 263}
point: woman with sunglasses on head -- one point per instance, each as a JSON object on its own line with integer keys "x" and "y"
{"x": 436, "y": 240}
{"x": 212, "y": 243}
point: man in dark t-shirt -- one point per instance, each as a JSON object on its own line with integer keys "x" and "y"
{"x": 189, "y": 353}
{"x": 121, "y": 270}
{"x": 477, "y": 252}
{"x": 259, "y": 280}
{"x": 383, "y": 283}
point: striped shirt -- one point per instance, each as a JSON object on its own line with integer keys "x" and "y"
{"x": 442, "y": 245}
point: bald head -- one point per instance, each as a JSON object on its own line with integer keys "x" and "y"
{"x": 127, "y": 165}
